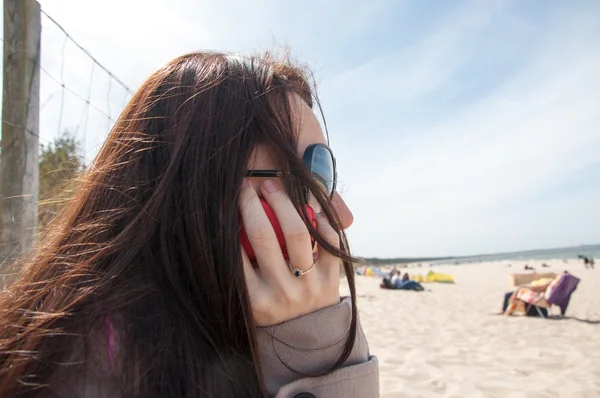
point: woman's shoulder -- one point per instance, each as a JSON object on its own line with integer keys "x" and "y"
{"x": 312, "y": 344}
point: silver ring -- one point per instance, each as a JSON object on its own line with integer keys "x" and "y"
{"x": 298, "y": 273}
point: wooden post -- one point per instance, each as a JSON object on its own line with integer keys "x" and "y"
{"x": 19, "y": 147}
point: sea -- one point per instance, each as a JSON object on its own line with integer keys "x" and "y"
{"x": 567, "y": 253}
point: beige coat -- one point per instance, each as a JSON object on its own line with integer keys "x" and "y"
{"x": 309, "y": 345}
{"x": 317, "y": 340}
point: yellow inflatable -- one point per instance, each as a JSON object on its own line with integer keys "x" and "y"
{"x": 433, "y": 277}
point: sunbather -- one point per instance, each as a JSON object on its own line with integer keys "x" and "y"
{"x": 396, "y": 282}
{"x": 530, "y": 311}
{"x": 541, "y": 294}
{"x": 529, "y": 293}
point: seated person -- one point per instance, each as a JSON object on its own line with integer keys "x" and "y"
{"x": 530, "y": 311}
{"x": 389, "y": 282}
{"x": 527, "y": 294}
{"x": 394, "y": 276}
{"x": 403, "y": 283}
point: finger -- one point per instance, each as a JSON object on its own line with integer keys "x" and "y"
{"x": 260, "y": 299}
{"x": 252, "y": 278}
{"x": 261, "y": 235}
{"x": 297, "y": 237}
{"x": 328, "y": 262}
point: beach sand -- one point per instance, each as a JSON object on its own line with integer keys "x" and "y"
{"x": 446, "y": 342}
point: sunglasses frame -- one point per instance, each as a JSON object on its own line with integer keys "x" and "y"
{"x": 306, "y": 161}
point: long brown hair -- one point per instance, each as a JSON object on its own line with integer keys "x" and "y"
{"x": 152, "y": 238}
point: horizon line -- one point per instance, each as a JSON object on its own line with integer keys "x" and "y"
{"x": 479, "y": 255}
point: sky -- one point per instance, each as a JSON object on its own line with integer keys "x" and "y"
{"x": 459, "y": 127}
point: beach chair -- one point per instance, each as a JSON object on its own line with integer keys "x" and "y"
{"x": 522, "y": 279}
{"x": 558, "y": 294}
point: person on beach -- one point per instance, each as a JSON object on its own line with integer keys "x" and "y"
{"x": 537, "y": 292}
{"x": 396, "y": 281}
{"x": 513, "y": 303}
{"x": 394, "y": 276}
{"x": 141, "y": 288}
{"x": 586, "y": 262}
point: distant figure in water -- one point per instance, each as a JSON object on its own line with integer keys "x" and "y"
{"x": 544, "y": 265}
{"x": 527, "y": 267}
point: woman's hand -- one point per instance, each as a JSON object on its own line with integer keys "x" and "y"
{"x": 276, "y": 295}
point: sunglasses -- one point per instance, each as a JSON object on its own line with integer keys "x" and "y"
{"x": 319, "y": 160}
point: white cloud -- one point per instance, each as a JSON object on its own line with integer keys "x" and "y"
{"x": 410, "y": 71}
{"x": 134, "y": 37}
{"x": 447, "y": 182}
{"x": 131, "y": 38}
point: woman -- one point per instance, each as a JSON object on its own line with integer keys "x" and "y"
{"x": 521, "y": 299}
{"x": 142, "y": 289}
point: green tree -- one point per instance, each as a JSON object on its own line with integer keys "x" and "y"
{"x": 60, "y": 162}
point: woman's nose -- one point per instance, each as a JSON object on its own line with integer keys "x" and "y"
{"x": 346, "y": 217}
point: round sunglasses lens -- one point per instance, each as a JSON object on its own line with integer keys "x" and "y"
{"x": 322, "y": 167}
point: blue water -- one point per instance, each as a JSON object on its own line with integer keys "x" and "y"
{"x": 569, "y": 253}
